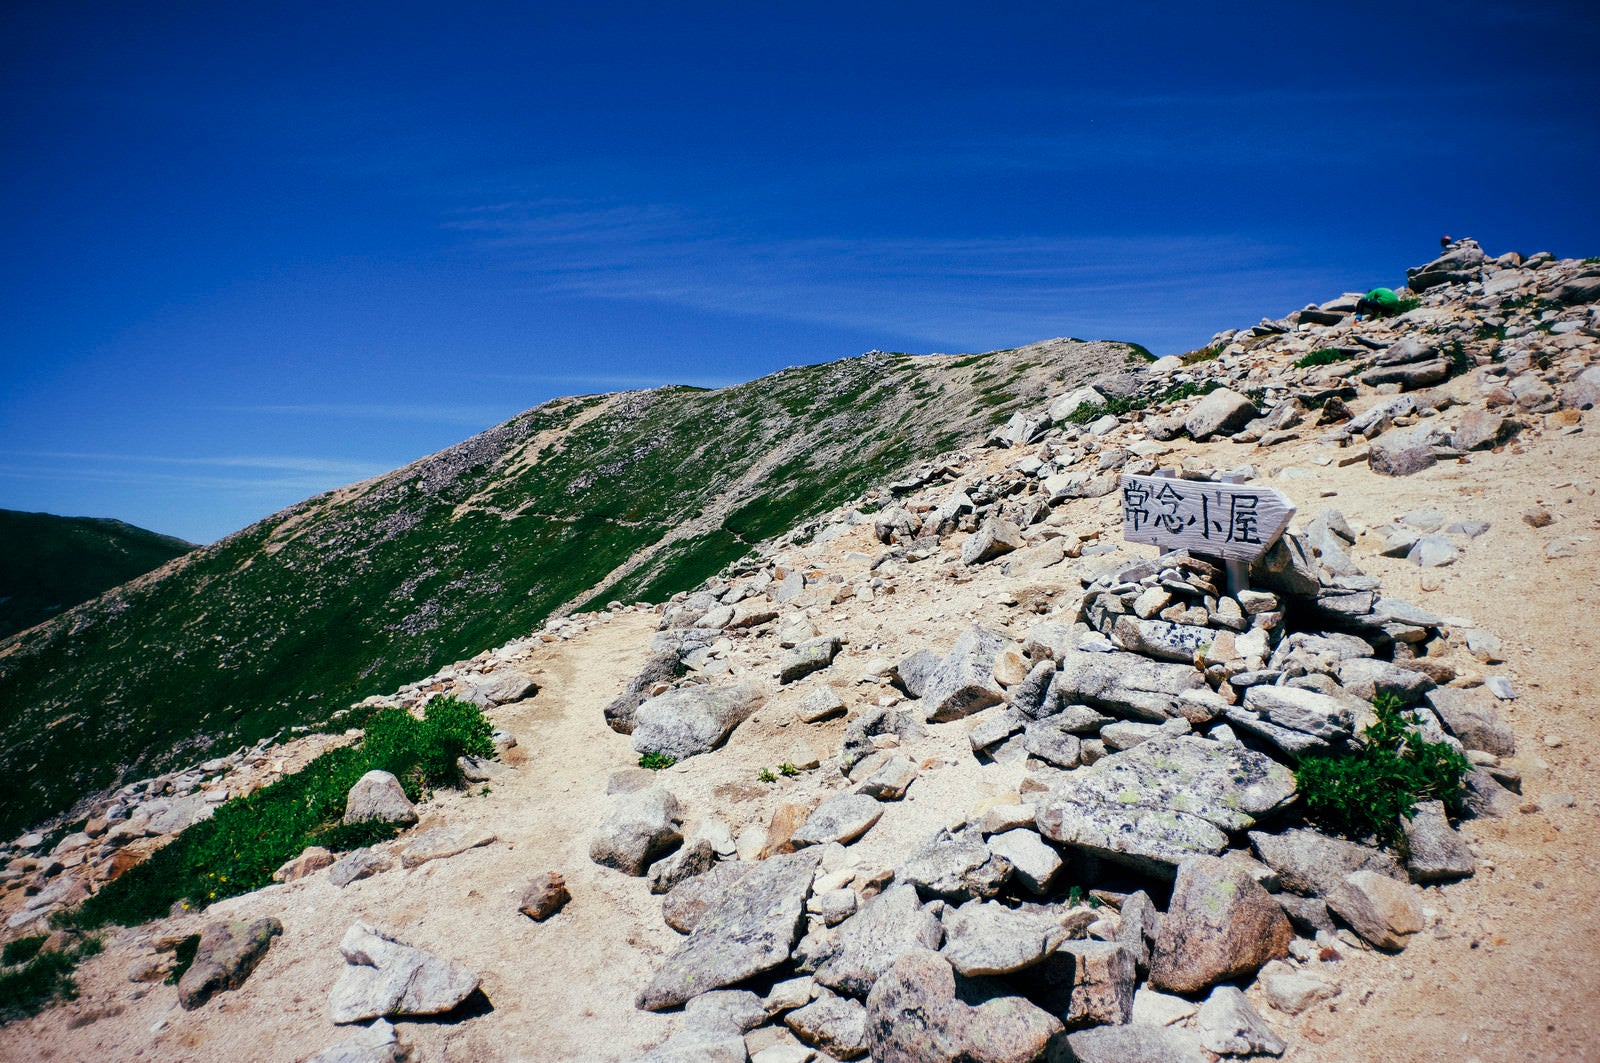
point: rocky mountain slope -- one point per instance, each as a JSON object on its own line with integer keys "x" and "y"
{"x": 50, "y": 563}
{"x": 961, "y": 774}
{"x": 637, "y": 494}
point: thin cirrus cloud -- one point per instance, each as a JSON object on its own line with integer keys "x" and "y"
{"x": 971, "y": 289}
{"x": 248, "y": 472}
{"x": 411, "y": 412}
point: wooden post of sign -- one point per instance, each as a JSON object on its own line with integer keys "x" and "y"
{"x": 1238, "y": 572}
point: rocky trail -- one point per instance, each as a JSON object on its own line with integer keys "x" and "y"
{"x": 960, "y": 774}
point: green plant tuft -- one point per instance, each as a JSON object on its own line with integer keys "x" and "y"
{"x": 1322, "y": 356}
{"x": 656, "y": 761}
{"x": 1366, "y": 791}
{"x": 788, "y": 769}
{"x": 22, "y": 950}
{"x": 765, "y": 775}
{"x": 247, "y": 839}
{"x": 184, "y": 954}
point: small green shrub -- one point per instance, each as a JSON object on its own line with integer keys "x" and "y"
{"x": 788, "y": 769}
{"x": 22, "y": 950}
{"x": 1367, "y": 790}
{"x": 1323, "y": 356}
{"x": 1411, "y": 302}
{"x": 765, "y": 775}
{"x": 32, "y": 978}
{"x": 656, "y": 761}
{"x": 247, "y": 839}
{"x": 1204, "y": 354}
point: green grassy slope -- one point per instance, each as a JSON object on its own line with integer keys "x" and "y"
{"x": 358, "y": 591}
{"x": 50, "y": 563}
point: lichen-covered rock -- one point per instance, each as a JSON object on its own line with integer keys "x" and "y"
{"x": 1220, "y": 925}
{"x": 964, "y": 682}
{"x": 1163, "y": 801}
{"x": 227, "y": 954}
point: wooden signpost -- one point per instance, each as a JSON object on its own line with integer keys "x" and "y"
{"x": 1232, "y": 521}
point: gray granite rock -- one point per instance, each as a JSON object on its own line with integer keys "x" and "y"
{"x": 1312, "y": 864}
{"x": 1222, "y": 411}
{"x": 640, "y": 827}
{"x": 1228, "y": 1025}
{"x": 385, "y": 977}
{"x": 1386, "y": 913}
{"x": 691, "y": 720}
{"x": 378, "y": 795}
{"x": 955, "y": 867}
{"x": 840, "y": 819}
{"x": 987, "y": 938}
{"x": 892, "y": 923}
{"x": 751, "y": 930}
{"x": 1220, "y": 925}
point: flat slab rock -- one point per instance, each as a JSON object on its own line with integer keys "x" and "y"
{"x": 1164, "y": 800}
{"x": 386, "y": 977}
{"x": 986, "y": 937}
{"x": 840, "y": 819}
{"x": 751, "y": 930}
{"x": 442, "y": 842}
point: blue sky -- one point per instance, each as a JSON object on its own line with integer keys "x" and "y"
{"x": 254, "y": 252}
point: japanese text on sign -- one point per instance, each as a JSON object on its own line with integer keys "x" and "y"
{"x": 1231, "y": 521}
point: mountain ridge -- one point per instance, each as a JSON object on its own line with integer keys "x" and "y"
{"x": 630, "y": 495}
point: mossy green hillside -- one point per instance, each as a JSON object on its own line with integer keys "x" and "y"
{"x": 355, "y": 592}
{"x": 50, "y": 563}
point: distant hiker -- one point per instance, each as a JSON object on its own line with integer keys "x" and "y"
{"x": 1380, "y": 302}
{"x": 1445, "y": 241}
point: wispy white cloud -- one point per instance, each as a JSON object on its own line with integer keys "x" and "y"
{"x": 265, "y": 462}
{"x": 978, "y": 290}
{"x": 481, "y": 416}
